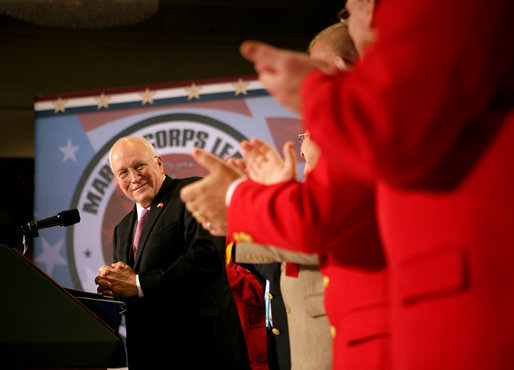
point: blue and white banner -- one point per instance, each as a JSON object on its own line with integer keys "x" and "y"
{"x": 74, "y": 134}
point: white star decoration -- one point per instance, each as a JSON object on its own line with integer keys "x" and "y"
{"x": 147, "y": 96}
{"x": 240, "y": 87}
{"x": 193, "y": 92}
{"x": 59, "y": 105}
{"x": 103, "y": 101}
{"x": 51, "y": 256}
{"x": 69, "y": 151}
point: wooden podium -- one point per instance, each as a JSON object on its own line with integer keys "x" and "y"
{"x": 44, "y": 326}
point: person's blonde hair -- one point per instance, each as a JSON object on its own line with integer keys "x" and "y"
{"x": 338, "y": 38}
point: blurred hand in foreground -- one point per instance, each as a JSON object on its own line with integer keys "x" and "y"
{"x": 205, "y": 198}
{"x": 264, "y": 164}
{"x": 282, "y": 71}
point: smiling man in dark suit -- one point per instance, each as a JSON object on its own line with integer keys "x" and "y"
{"x": 180, "y": 310}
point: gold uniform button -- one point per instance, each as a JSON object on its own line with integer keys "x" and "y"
{"x": 241, "y": 237}
{"x": 270, "y": 296}
{"x": 333, "y": 331}
{"x": 275, "y": 331}
{"x": 326, "y": 281}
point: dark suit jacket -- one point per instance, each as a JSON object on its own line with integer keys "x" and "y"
{"x": 187, "y": 317}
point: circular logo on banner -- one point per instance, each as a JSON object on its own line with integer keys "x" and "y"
{"x": 102, "y": 204}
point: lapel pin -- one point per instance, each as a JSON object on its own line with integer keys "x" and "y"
{"x": 160, "y": 205}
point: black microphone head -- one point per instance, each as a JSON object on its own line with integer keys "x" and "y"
{"x": 69, "y": 217}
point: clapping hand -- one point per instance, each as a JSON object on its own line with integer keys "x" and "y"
{"x": 265, "y": 166}
{"x": 205, "y": 198}
{"x": 282, "y": 71}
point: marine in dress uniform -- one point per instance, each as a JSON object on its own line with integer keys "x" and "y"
{"x": 346, "y": 237}
{"x": 248, "y": 293}
{"x": 301, "y": 285}
{"x": 440, "y": 147}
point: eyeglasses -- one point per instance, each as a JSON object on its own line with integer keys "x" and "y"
{"x": 301, "y": 137}
{"x": 343, "y": 15}
{"x": 124, "y": 175}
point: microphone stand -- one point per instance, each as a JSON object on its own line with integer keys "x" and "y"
{"x": 29, "y": 232}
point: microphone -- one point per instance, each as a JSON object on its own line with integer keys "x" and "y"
{"x": 30, "y": 229}
{"x": 65, "y": 218}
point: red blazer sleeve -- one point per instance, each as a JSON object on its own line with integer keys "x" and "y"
{"x": 406, "y": 109}
{"x": 303, "y": 216}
